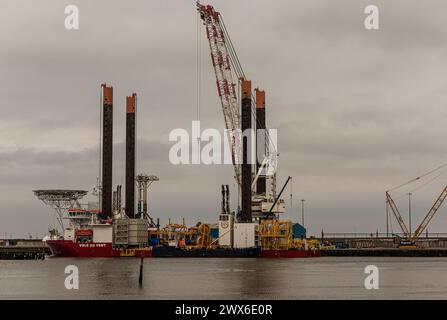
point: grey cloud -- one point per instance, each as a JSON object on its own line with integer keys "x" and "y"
{"x": 357, "y": 111}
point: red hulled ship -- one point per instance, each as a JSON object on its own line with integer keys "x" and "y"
{"x": 67, "y": 248}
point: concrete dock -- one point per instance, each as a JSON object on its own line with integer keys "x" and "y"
{"x": 23, "y": 249}
{"x": 381, "y": 245}
{"x": 385, "y": 252}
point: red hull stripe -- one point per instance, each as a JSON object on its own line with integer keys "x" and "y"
{"x": 66, "y": 248}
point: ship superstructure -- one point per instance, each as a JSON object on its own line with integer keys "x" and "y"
{"x": 103, "y": 228}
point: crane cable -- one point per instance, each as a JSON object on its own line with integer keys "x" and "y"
{"x": 231, "y": 50}
{"x": 199, "y": 76}
{"x": 291, "y": 193}
{"x": 420, "y": 177}
{"x": 240, "y": 73}
{"x": 423, "y": 185}
{"x": 198, "y": 61}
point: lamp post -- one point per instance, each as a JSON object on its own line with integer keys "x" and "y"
{"x": 409, "y": 210}
{"x": 387, "y": 215}
{"x": 302, "y": 212}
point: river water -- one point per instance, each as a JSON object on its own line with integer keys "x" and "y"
{"x": 226, "y": 278}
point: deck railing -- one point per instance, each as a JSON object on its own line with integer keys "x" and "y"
{"x": 363, "y": 235}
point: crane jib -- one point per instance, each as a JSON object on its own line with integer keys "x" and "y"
{"x": 396, "y": 213}
{"x": 430, "y": 213}
{"x": 220, "y": 58}
{"x": 423, "y": 225}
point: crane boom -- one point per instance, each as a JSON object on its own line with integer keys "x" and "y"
{"x": 399, "y": 219}
{"x": 258, "y": 174}
{"x": 226, "y": 86}
{"x": 430, "y": 214}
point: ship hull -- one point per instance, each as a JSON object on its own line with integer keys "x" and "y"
{"x": 171, "y": 252}
{"x": 290, "y": 253}
{"x": 66, "y": 248}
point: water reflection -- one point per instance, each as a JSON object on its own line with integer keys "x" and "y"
{"x": 225, "y": 278}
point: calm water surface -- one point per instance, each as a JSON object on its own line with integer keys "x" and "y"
{"x": 227, "y": 278}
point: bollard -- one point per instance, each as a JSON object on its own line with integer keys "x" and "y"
{"x": 140, "y": 280}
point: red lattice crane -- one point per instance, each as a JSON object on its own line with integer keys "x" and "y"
{"x": 221, "y": 54}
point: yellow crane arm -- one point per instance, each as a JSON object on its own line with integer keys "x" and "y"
{"x": 399, "y": 219}
{"x": 430, "y": 214}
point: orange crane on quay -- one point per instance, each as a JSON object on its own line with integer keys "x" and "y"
{"x": 409, "y": 237}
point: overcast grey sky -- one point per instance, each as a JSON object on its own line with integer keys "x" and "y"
{"x": 357, "y": 111}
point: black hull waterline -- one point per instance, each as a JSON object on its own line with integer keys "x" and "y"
{"x": 166, "y": 251}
